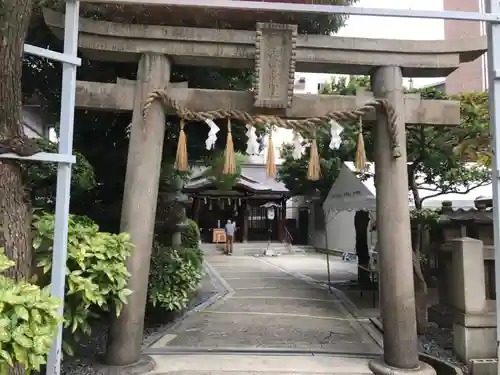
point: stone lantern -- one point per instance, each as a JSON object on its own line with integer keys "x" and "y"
{"x": 183, "y": 201}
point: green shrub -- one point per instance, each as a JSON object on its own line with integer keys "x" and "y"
{"x": 28, "y": 322}
{"x": 174, "y": 276}
{"x": 191, "y": 235}
{"x": 96, "y": 272}
{"x": 192, "y": 255}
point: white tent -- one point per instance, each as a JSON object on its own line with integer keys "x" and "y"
{"x": 349, "y": 193}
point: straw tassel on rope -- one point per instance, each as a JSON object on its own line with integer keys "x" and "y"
{"x": 181, "y": 158}
{"x": 313, "y": 170}
{"x": 270, "y": 162}
{"x": 229, "y": 156}
{"x": 360, "y": 161}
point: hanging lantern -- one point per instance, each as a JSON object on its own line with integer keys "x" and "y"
{"x": 210, "y": 205}
{"x": 205, "y": 200}
{"x": 335, "y": 131}
{"x": 271, "y": 214}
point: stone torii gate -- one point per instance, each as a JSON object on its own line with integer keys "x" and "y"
{"x": 276, "y": 51}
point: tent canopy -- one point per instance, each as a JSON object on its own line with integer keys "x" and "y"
{"x": 349, "y": 193}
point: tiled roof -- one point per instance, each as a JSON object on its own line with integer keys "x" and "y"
{"x": 479, "y": 216}
{"x": 253, "y": 176}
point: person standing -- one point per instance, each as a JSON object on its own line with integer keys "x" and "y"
{"x": 230, "y": 228}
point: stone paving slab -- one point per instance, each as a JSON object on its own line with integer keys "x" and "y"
{"x": 268, "y": 308}
{"x": 315, "y": 307}
{"x": 231, "y": 273}
{"x": 282, "y": 282}
{"x": 303, "y": 292}
{"x": 259, "y": 332}
{"x": 315, "y": 266}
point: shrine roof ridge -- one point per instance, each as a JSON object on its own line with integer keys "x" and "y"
{"x": 112, "y": 41}
{"x": 253, "y": 176}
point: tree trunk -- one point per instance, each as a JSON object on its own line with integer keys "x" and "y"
{"x": 418, "y": 277}
{"x": 14, "y": 209}
{"x": 361, "y": 221}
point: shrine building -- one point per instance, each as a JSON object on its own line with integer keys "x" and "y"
{"x": 256, "y": 203}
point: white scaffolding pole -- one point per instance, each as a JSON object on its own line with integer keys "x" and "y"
{"x": 65, "y": 159}
{"x": 312, "y": 9}
{"x": 493, "y": 33}
{"x": 68, "y": 92}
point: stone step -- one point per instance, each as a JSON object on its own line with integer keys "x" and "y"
{"x": 252, "y": 248}
{"x": 236, "y": 364}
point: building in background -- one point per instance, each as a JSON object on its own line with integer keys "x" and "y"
{"x": 472, "y": 76}
{"x": 310, "y": 83}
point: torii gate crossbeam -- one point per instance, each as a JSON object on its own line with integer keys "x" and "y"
{"x": 64, "y": 157}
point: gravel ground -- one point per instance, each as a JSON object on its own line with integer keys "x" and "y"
{"x": 438, "y": 342}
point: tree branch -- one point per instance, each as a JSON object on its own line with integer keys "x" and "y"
{"x": 452, "y": 191}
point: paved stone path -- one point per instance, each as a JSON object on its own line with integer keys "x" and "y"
{"x": 268, "y": 309}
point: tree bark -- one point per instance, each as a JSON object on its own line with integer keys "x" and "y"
{"x": 418, "y": 277}
{"x": 14, "y": 207}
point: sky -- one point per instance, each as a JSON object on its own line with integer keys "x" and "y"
{"x": 403, "y": 28}
{"x": 389, "y": 27}
{"x": 384, "y": 28}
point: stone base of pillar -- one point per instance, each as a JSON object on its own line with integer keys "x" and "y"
{"x": 143, "y": 365}
{"x": 378, "y": 367}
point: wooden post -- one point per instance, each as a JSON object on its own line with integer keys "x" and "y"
{"x": 196, "y": 209}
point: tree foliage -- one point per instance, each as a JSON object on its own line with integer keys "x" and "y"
{"x": 439, "y": 158}
{"x": 293, "y": 173}
{"x": 215, "y": 171}
{"x": 450, "y": 160}
{"x": 41, "y": 179}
